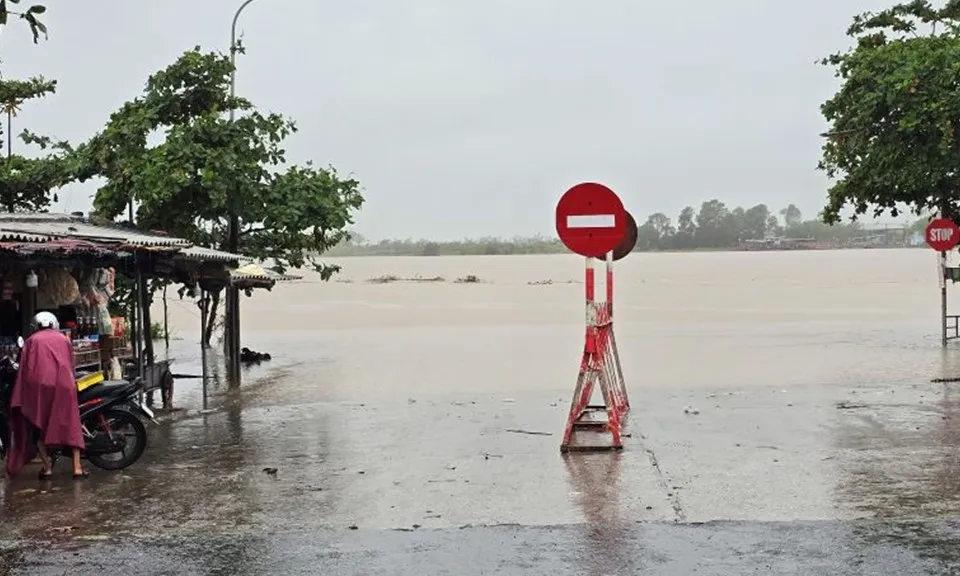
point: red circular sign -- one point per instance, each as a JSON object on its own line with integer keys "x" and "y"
{"x": 942, "y": 234}
{"x": 591, "y": 220}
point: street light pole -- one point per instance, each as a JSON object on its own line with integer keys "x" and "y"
{"x": 232, "y": 324}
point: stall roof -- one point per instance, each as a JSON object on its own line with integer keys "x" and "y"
{"x": 68, "y": 234}
{"x": 64, "y": 247}
{"x": 256, "y": 276}
{"x": 206, "y": 254}
{"x": 32, "y": 227}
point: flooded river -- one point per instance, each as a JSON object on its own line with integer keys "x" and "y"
{"x": 394, "y": 393}
{"x": 689, "y": 319}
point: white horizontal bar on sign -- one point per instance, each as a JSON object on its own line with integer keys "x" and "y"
{"x": 592, "y": 221}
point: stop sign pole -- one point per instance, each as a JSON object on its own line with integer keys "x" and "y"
{"x": 943, "y": 235}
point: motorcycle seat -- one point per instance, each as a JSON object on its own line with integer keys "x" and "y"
{"x": 104, "y": 389}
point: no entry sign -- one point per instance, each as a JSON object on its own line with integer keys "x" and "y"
{"x": 591, "y": 220}
{"x": 942, "y": 234}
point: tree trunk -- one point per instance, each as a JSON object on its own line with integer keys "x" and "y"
{"x": 211, "y": 320}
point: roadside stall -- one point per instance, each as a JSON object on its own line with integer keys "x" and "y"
{"x": 67, "y": 265}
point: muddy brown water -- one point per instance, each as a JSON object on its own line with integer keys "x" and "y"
{"x": 694, "y": 319}
{"x": 389, "y": 404}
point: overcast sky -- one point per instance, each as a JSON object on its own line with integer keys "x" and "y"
{"x": 469, "y": 118}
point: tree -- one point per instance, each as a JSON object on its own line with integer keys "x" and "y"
{"x": 30, "y": 15}
{"x": 686, "y": 228}
{"x": 27, "y": 183}
{"x": 894, "y": 121}
{"x": 773, "y": 226}
{"x": 206, "y": 166}
{"x": 714, "y": 224}
{"x": 791, "y": 216}
{"x": 663, "y": 229}
{"x": 648, "y": 238}
{"x": 756, "y": 222}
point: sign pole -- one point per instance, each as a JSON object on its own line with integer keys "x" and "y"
{"x": 589, "y": 282}
{"x": 942, "y": 234}
{"x": 943, "y": 299}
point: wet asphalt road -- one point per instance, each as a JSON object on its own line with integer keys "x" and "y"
{"x": 717, "y": 548}
{"x": 807, "y": 479}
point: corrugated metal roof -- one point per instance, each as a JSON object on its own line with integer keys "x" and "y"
{"x": 256, "y": 276}
{"x": 206, "y": 254}
{"x": 36, "y": 232}
{"x": 65, "y": 247}
{"x": 40, "y": 227}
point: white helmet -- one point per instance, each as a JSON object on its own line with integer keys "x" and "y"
{"x": 46, "y": 320}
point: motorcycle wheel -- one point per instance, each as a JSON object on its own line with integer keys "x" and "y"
{"x": 124, "y": 423}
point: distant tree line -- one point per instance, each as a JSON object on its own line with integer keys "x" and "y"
{"x": 357, "y": 245}
{"x": 713, "y": 227}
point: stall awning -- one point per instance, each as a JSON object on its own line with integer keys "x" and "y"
{"x": 256, "y": 276}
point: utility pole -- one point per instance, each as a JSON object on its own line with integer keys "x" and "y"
{"x": 232, "y": 304}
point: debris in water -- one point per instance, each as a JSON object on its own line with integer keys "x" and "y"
{"x": 270, "y": 471}
{"x": 691, "y": 410}
{"x": 849, "y": 406}
{"x": 516, "y": 431}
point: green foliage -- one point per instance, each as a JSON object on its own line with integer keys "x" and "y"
{"x": 13, "y": 93}
{"x": 894, "y": 131}
{"x": 26, "y": 183}
{"x": 157, "y": 331}
{"x": 30, "y": 15}
{"x": 208, "y": 167}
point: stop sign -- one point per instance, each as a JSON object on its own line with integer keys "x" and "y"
{"x": 942, "y": 234}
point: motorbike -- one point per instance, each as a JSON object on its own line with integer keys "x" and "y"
{"x": 114, "y": 436}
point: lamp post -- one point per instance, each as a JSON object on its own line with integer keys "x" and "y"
{"x": 232, "y": 324}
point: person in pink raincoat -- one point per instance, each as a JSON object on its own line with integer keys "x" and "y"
{"x": 43, "y": 407}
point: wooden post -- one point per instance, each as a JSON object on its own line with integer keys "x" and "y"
{"x": 135, "y": 317}
{"x": 204, "y": 311}
{"x": 166, "y": 322}
{"x": 28, "y": 303}
{"x": 143, "y": 288}
{"x": 236, "y": 335}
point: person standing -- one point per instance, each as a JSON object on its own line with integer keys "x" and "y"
{"x": 43, "y": 407}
